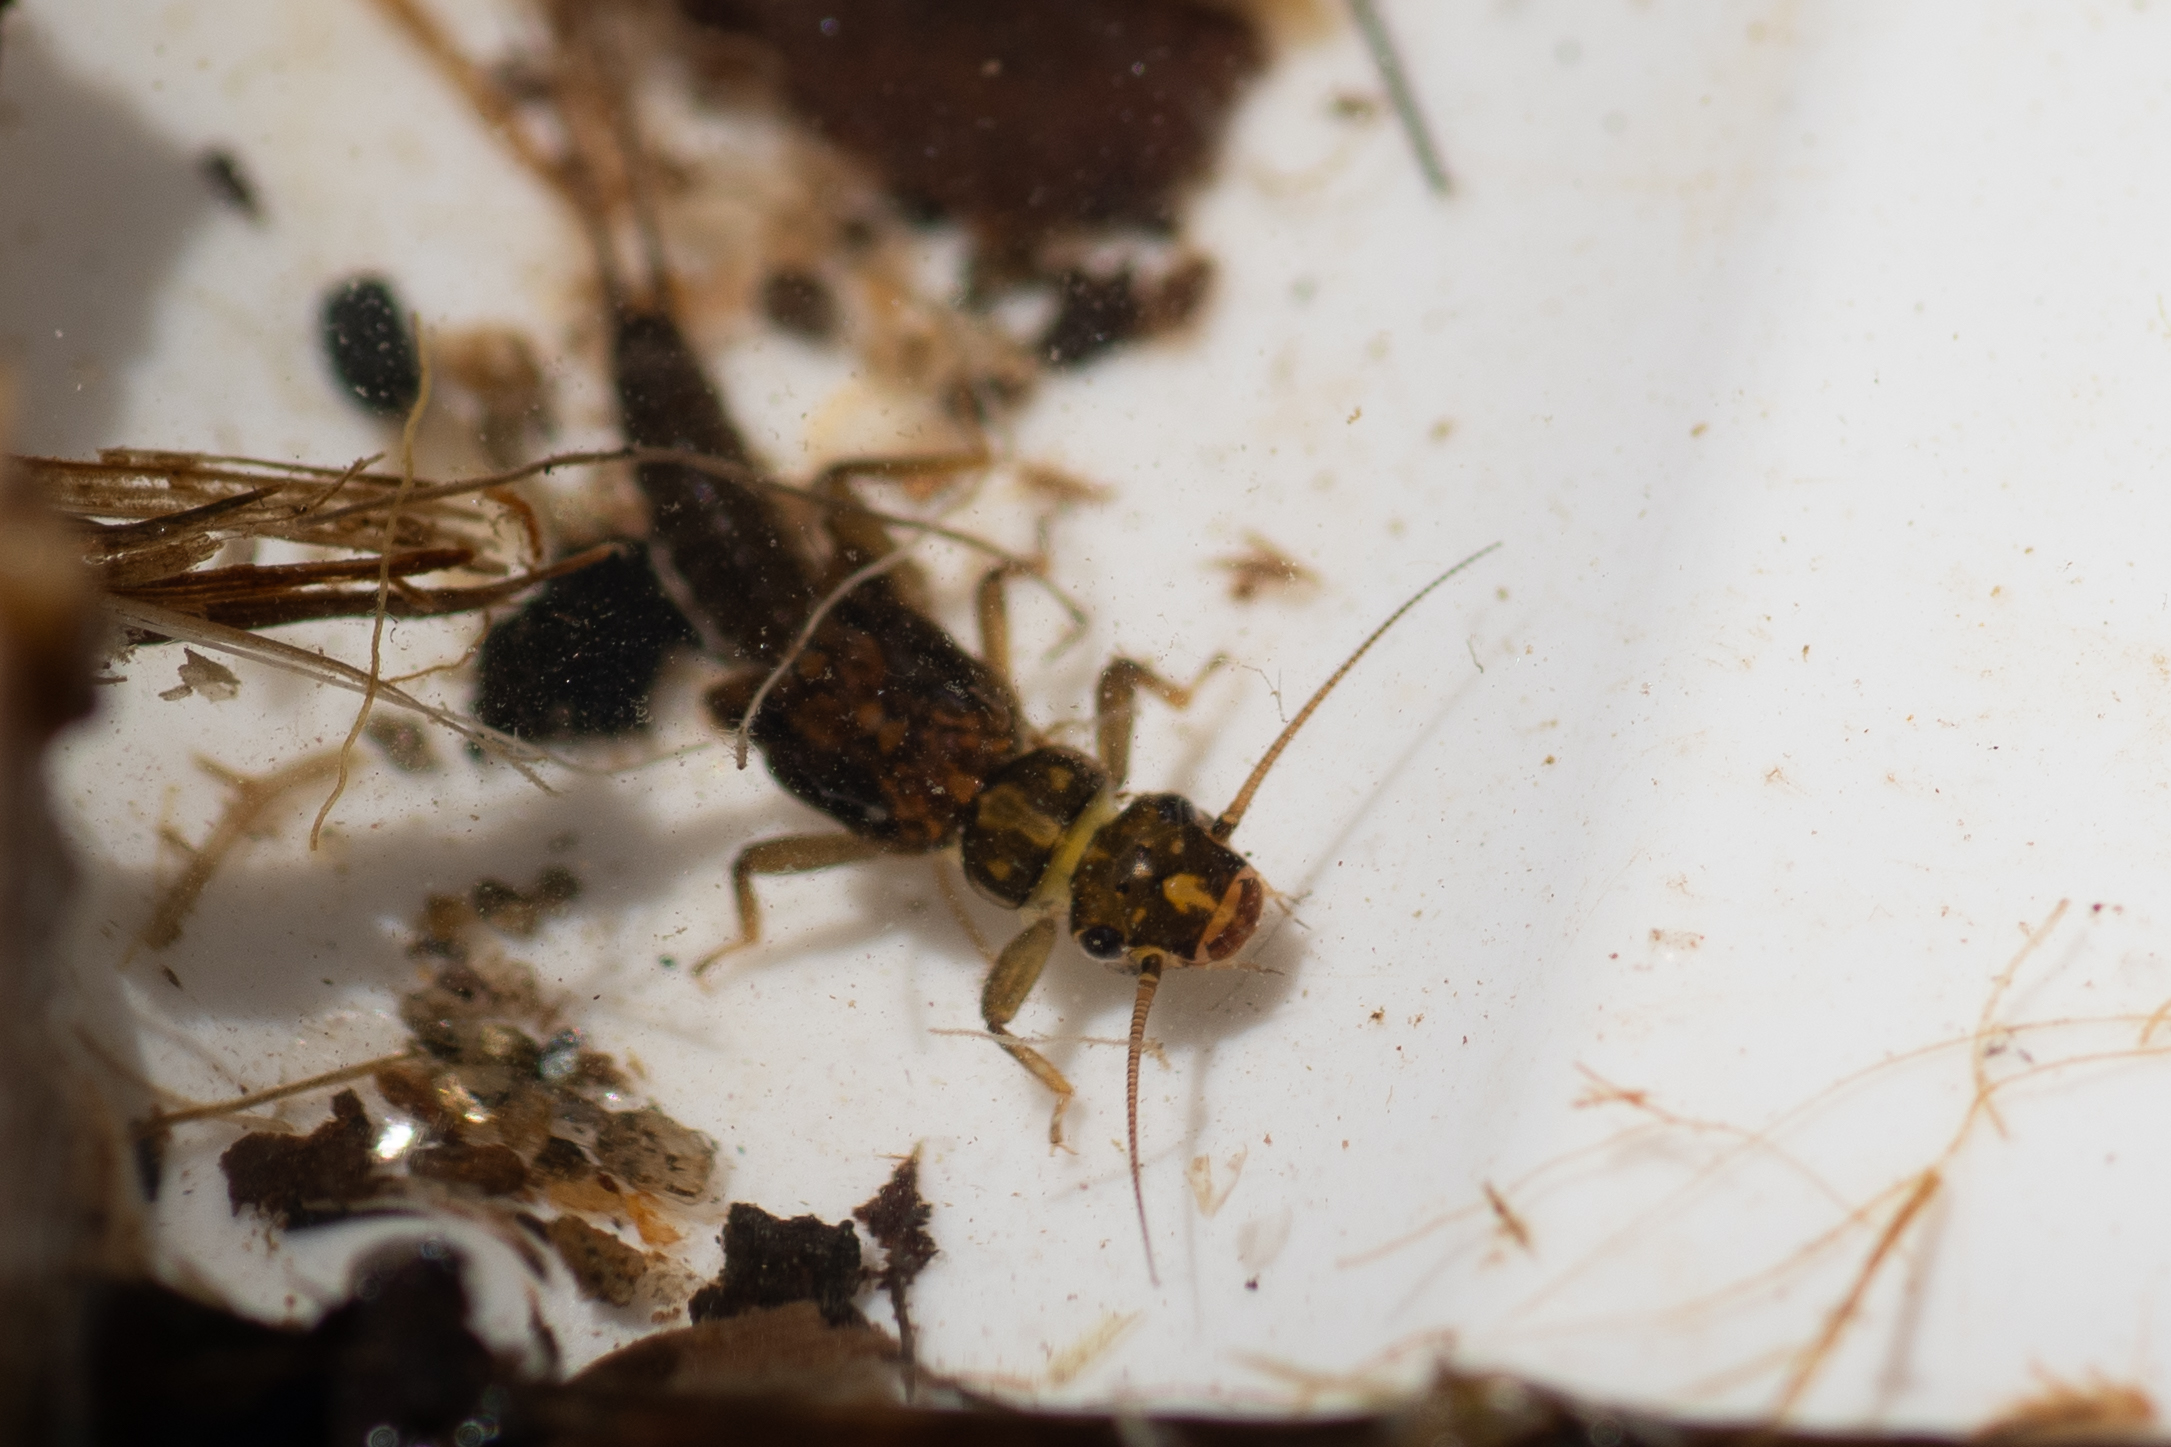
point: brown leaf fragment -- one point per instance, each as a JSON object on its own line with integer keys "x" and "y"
{"x": 298, "y": 1180}
{"x": 788, "y": 1351}
{"x": 656, "y": 1153}
{"x": 605, "y": 1268}
{"x": 410, "y": 1088}
{"x": 561, "y": 1160}
{"x": 773, "y": 1262}
{"x": 492, "y": 1170}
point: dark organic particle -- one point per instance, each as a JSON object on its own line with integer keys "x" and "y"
{"x": 515, "y": 912}
{"x": 580, "y": 660}
{"x": 1095, "y": 312}
{"x": 801, "y": 303}
{"x": 371, "y": 349}
{"x": 605, "y": 1268}
{"x": 1020, "y": 120}
{"x": 222, "y": 172}
{"x": 300, "y": 1180}
{"x": 772, "y": 1262}
{"x": 896, "y": 1216}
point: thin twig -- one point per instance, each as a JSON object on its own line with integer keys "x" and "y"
{"x": 1389, "y": 62}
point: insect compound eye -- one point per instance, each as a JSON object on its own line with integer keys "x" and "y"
{"x": 1103, "y": 942}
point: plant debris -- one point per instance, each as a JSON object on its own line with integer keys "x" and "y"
{"x": 787, "y": 1352}
{"x": 1261, "y": 568}
{"x": 248, "y": 798}
{"x": 770, "y": 1262}
{"x": 497, "y": 1108}
{"x": 582, "y": 657}
{"x": 298, "y": 1181}
{"x": 605, "y": 1268}
{"x": 896, "y": 1216}
{"x": 205, "y": 676}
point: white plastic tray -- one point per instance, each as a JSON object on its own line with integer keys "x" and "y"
{"x": 1810, "y": 365}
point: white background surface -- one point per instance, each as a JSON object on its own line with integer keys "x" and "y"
{"x": 1808, "y": 361}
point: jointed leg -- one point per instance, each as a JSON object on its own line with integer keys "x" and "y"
{"x": 860, "y": 538}
{"x": 796, "y": 854}
{"x": 1115, "y": 707}
{"x": 1016, "y": 971}
{"x": 993, "y": 607}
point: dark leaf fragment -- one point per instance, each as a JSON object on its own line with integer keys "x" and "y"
{"x": 772, "y": 1262}
{"x": 299, "y": 1180}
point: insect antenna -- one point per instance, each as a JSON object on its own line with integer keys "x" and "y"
{"x": 1149, "y": 980}
{"x": 1234, "y": 814}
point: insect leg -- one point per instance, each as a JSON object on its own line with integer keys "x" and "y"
{"x": 859, "y": 536}
{"x": 1115, "y": 707}
{"x": 1016, "y": 971}
{"x": 795, "y": 854}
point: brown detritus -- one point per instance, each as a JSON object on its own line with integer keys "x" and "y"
{"x": 504, "y": 907}
{"x": 299, "y": 1180}
{"x": 441, "y": 931}
{"x": 1062, "y": 488}
{"x": 1516, "y": 1228}
{"x": 521, "y": 913}
{"x": 2095, "y": 1410}
{"x": 561, "y": 1160}
{"x": 410, "y": 1087}
{"x": 491, "y": 1170}
{"x": 896, "y": 1217}
{"x": 788, "y": 1351}
{"x": 223, "y": 172}
{"x": 801, "y": 303}
{"x": 405, "y": 746}
{"x": 494, "y": 388}
{"x": 605, "y": 1268}
{"x": 597, "y": 1193}
{"x": 1021, "y": 121}
{"x": 1262, "y": 567}
{"x": 248, "y": 799}
{"x": 770, "y": 1262}
{"x": 656, "y": 1153}
{"x": 1096, "y": 312}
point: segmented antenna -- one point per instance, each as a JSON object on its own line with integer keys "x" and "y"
{"x": 1149, "y": 980}
{"x": 1234, "y": 814}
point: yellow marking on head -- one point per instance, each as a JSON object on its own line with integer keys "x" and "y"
{"x": 1188, "y": 894}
